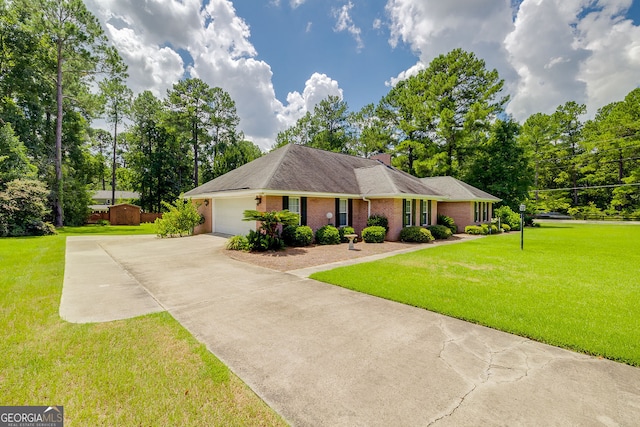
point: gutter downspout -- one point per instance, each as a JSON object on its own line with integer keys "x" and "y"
{"x": 368, "y": 207}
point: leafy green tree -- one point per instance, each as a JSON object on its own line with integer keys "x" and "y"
{"x": 537, "y": 136}
{"x": 14, "y": 163}
{"x": 190, "y": 102}
{"x": 327, "y": 128}
{"x": 116, "y": 97}
{"x": 370, "y": 136}
{"x": 501, "y": 167}
{"x": 569, "y": 127}
{"x": 75, "y": 40}
{"x": 445, "y": 108}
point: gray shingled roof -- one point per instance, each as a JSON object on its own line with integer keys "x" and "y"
{"x": 304, "y": 169}
{"x": 458, "y": 190}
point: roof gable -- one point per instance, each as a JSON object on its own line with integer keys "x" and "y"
{"x": 458, "y": 190}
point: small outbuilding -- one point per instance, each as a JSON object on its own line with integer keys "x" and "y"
{"x": 124, "y": 214}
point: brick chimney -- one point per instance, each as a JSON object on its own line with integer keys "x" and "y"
{"x": 382, "y": 157}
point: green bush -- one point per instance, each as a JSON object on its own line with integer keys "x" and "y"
{"x": 345, "y": 230}
{"x": 378, "y": 220}
{"x": 505, "y": 227}
{"x": 440, "y": 232}
{"x": 374, "y": 234}
{"x": 415, "y": 234}
{"x": 103, "y": 222}
{"x": 238, "y": 243}
{"x": 508, "y": 216}
{"x": 260, "y": 241}
{"x": 297, "y": 235}
{"x": 23, "y": 205}
{"x": 473, "y": 229}
{"x": 180, "y": 220}
{"x": 327, "y": 235}
{"x": 485, "y": 229}
{"x": 448, "y": 222}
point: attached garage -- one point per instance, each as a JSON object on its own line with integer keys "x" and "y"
{"x": 228, "y": 214}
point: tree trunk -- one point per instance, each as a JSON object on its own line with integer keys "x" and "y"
{"x": 113, "y": 164}
{"x": 59, "y": 186}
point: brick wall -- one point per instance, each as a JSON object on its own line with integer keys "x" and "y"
{"x": 461, "y": 212}
{"x": 207, "y": 212}
{"x": 392, "y": 209}
{"x": 317, "y": 209}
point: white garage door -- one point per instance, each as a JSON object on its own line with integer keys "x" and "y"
{"x": 228, "y": 214}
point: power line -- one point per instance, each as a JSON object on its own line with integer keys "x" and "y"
{"x": 590, "y": 187}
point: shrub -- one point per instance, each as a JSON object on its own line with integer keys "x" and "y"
{"x": 415, "y": 234}
{"x": 260, "y": 241}
{"x": 238, "y": 243}
{"x": 448, "y": 222}
{"x": 440, "y": 231}
{"x": 378, "y": 220}
{"x": 505, "y": 227}
{"x": 103, "y": 222}
{"x": 180, "y": 220}
{"x": 327, "y": 235}
{"x": 374, "y": 234}
{"x": 22, "y": 209}
{"x": 294, "y": 235}
{"x": 345, "y": 230}
{"x": 485, "y": 229}
{"x": 508, "y": 216}
{"x": 473, "y": 229}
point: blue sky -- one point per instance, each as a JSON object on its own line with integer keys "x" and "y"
{"x": 278, "y": 58}
{"x": 298, "y": 42}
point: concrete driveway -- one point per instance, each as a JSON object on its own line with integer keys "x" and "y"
{"x": 321, "y": 355}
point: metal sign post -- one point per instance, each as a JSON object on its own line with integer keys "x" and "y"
{"x": 522, "y": 209}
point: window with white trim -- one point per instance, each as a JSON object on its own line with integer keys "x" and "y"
{"x": 294, "y": 206}
{"x": 343, "y": 214}
{"x": 424, "y": 215}
{"x": 407, "y": 212}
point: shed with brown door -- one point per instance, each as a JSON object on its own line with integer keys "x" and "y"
{"x": 124, "y": 214}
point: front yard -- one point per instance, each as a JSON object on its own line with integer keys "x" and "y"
{"x": 575, "y": 285}
{"x": 143, "y": 371}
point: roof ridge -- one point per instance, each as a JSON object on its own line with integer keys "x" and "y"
{"x": 276, "y": 166}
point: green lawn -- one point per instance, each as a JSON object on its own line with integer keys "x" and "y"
{"x": 144, "y": 371}
{"x": 575, "y": 285}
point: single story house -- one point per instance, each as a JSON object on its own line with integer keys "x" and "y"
{"x": 102, "y": 199}
{"x": 328, "y": 188}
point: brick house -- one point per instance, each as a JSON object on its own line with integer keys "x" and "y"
{"x": 325, "y": 188}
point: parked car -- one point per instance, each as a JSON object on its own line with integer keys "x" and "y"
{"x": 551, "y": 215}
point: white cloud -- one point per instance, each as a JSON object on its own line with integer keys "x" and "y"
{"x": 316, "y": 88}
{"x": 150, "y": 35}
{"x": 308, "y": 28}
{"x": 296, "y": 3}
{"x": 548, "y": 51}
{"x": 345, "y": 23}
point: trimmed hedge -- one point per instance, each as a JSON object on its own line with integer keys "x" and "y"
{"x": 440, "y": 232}
{"x": 327, "y": 235}
{"x": 374, "y": 234}
{"x": 378, "y": 220}
{"x": 473, "y": 229}
{"x": 297, "y": 235}
{"x": 415, "y": 234}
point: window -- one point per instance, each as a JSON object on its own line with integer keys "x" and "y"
{"x": 476, "y": 212}
{"x": 343, "y": 213}
{"x": 485, "y": 211}
{"x": 424, "y": 215}
{"x": 407, "y": 212}
{"x": 294, "y": 206}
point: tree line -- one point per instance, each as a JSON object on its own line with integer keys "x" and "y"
{"x": 450, "y": 119}
{"x": 58, "y": 74}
